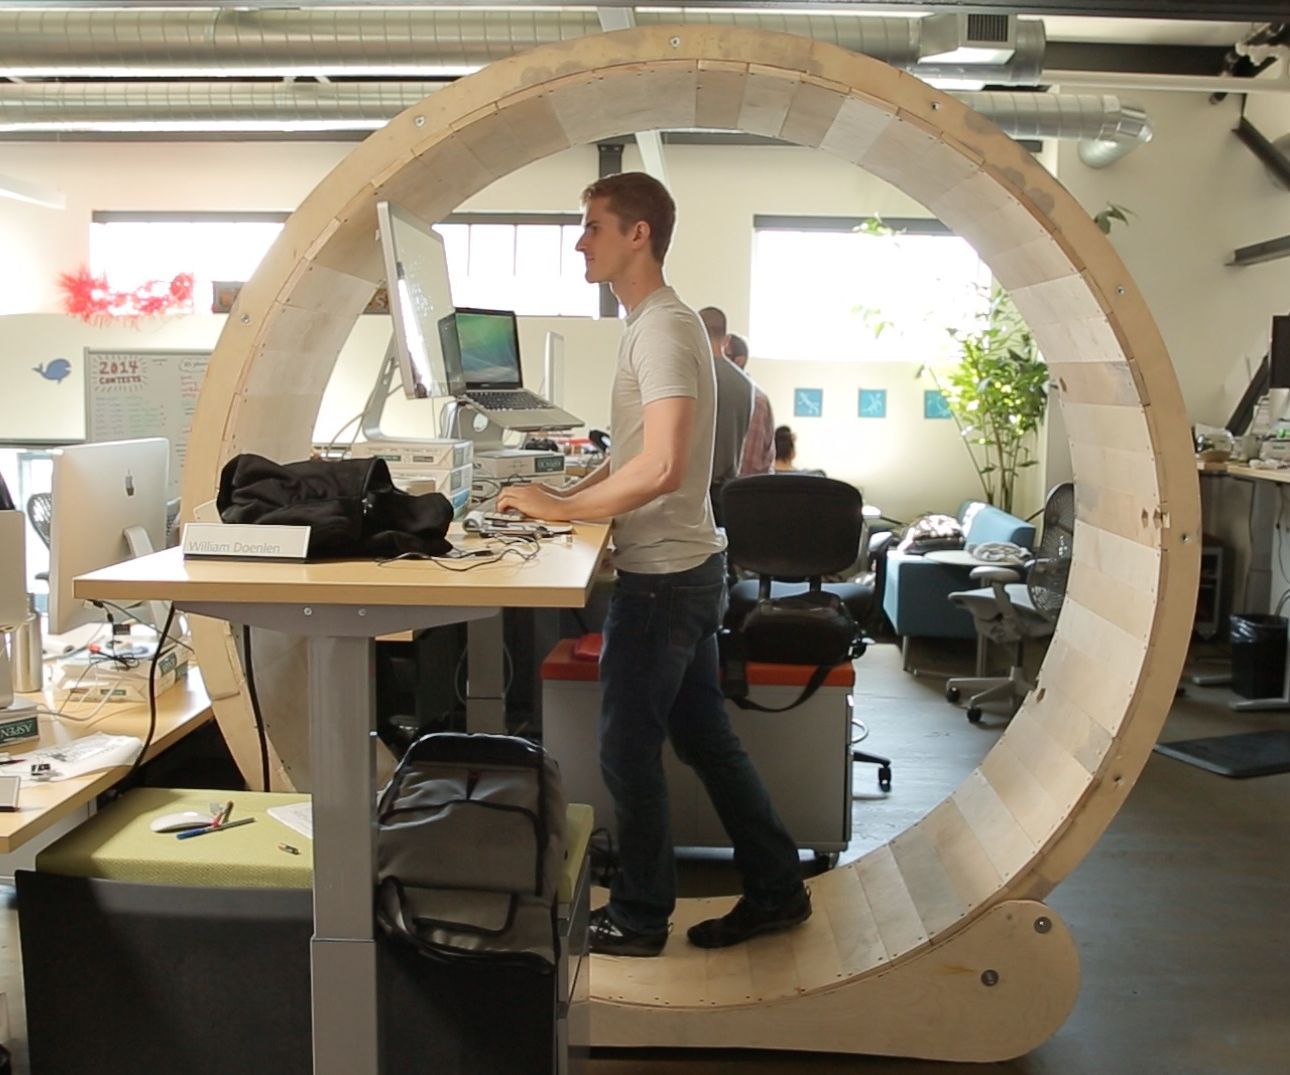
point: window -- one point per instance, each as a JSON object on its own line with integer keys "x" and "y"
{"x": 131, "y": 249}
{"x": 523, "y": 263}
{"x": 826, "y": 289}
{"x": 526, "y": 263}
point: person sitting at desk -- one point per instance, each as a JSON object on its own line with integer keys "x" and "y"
{"x": 658, "y": 663}
{"x": 786, "y": 453}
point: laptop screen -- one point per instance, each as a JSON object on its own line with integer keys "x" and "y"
{"x": 489, "y": 345}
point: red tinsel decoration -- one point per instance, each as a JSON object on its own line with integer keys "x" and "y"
{"x": 91, "y": 298}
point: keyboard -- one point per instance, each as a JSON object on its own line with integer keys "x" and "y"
{"x": 508, "y": 399}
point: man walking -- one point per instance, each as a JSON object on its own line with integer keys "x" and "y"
{"x": 658, "y": 665}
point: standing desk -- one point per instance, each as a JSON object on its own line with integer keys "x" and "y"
{"x": 1258, "y": 584}
{"x": 340, "y": 607}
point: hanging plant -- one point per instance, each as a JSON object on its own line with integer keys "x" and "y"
{"x": 95, "y": 302}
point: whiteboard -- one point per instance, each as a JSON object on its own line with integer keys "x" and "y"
{"x": 130, "y": 394}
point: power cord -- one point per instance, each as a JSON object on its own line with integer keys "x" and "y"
{"x": 253, "y": 694}
{"x": 152, "y": 695}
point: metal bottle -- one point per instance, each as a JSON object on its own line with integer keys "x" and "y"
{"x": 28, "y": 658}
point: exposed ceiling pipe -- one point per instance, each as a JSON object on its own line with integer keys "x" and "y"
{"x": 1125, "y": 80}
{"x": 429, "y": 42}
{"x": 225, "y": 105}
{"x": 1107, "y": 127}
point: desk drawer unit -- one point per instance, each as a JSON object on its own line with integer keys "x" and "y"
{"x": 803, "y": 756}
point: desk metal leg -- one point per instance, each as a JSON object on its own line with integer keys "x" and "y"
{"x": 342, "y": 710}
{"x": 485, "y": 693}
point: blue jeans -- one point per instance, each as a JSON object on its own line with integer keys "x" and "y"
{"x": 660, "y": 677}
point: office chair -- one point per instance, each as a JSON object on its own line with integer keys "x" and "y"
{"x": 1016, "y": 605}
{"x": 40, "y": 513}
{"x": 790, "y": 560}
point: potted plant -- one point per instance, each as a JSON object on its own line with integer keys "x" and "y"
{"x": 997, "y": 395}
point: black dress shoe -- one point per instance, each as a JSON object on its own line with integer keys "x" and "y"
{"x": 746, "y": 920}
{"x": 610, "y": 939}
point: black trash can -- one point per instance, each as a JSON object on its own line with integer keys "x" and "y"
{"x": 1258, "y": 655}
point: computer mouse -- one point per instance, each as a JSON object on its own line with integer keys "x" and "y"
{"x": 188, "y": 819}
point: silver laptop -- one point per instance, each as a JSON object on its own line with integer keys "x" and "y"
{"x": 481, "y": 351}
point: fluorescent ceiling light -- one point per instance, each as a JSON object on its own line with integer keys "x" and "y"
{"x": 32, "y": 193}
{"x": 401, "y": 70}
{"x": 150, "y": 126}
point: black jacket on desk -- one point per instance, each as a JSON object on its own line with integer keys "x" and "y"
{"x": 351, "y": 506}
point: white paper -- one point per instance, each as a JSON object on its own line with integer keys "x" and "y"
{"x": 298, "y": 817}
{"x": 87, "y": 754}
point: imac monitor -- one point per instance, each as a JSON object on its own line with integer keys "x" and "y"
{"x": 109, "y": 504}
{"x": 416, "y": 273}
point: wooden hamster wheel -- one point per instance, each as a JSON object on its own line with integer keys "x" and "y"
{"x": 935, "y": 944}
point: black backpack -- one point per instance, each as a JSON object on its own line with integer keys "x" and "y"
{"x": 470, "y": 849}
{"x": 813, "y": 627}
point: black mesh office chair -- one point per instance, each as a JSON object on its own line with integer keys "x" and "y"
{"x": 1017, "y": 604}
{"x": 40, "y": 513}
{"x": 791, "y": 530}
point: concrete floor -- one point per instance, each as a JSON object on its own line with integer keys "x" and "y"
{"x": 1181, "y": 913}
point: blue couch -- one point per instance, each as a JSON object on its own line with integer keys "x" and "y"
{"x": 916, "y": 592}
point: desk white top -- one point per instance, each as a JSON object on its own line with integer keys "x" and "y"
{"x": 559, "y": 576}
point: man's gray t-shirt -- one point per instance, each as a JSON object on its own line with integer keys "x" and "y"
{"x": 735, "y": 396}
{"x": 665, "y": 354}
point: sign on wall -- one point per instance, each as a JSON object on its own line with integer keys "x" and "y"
{"x": 130, "y": 394}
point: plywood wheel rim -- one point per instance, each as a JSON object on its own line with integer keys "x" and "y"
{"x": 1039, "y": 800}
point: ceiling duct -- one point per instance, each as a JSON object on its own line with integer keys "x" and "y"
{"x": 85, "y": 42}
{"x": 1106, "y": 127}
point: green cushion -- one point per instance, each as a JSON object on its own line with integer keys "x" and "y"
{"x": 578, "y": 823}
{"x": 117, "y": 844}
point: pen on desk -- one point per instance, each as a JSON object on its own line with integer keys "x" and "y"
{"x": 225, "y": 814}
{"x": 213, "y": 828}
{"x": 289, "y": 849}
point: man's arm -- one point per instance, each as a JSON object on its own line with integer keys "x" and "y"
{"x": 658, "y": 469}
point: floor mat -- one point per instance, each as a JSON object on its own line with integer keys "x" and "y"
{"x": 1249, "y": 754}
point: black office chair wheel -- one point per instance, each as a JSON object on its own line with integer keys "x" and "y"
{"x": 884, "y": 777}
{"x": 951, "y": 694}
{"x": 974, "y": 714}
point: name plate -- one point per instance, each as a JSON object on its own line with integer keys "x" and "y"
{"x": 236, "y": 541}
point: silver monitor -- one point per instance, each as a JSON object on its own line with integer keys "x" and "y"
{"x": 416, "y": 273}
{"x": 109, "y": 504}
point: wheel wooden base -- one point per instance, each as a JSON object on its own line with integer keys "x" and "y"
{"x": 994, "y": 990}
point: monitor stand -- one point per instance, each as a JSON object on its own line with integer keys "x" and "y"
{"x": 463, "y": 422}
{"x": 140, "y": 544}
{"x": 10, "y": 706}
{"x": 374, "y": 409}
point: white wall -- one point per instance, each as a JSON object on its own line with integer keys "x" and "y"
{"x": 1196, "y": 194}
{"x": 1195, "y": 191}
